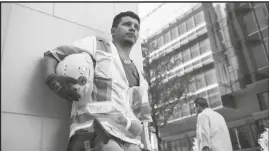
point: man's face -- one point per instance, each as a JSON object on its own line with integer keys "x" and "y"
{"x": 127, "y": 30}
{"x": 198, "y": 108}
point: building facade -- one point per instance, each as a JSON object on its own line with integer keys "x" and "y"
{"x": 225, "y": 48}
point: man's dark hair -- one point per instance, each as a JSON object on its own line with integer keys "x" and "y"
{"x": 201, "y": 101}
{"x": 118, "y": 17}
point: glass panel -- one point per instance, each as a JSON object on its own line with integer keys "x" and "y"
{"x": 204, "y": 45}
{"x": 255, "y": 134}
{"x": 250, "y": 23}
{"x": 174, "y": 33}
{"x": 262, "y": 16}
{"x": 177, "y": 112}
{"x": 234, "y": 140}
{"x": 259, "y": 55}
{"x": 264, "y": 100}
{"x": 178, "y": 58}
{"x": 214, "y": 97}
{"x": 160, "y": 42}
{"x": 182, "y": 28}
{"x": 190, "y": 24}
{"x": 179, "y": 145}
{"x": 199, "y": 18}
{"x": 192, "y": 85}
{"x": 187, "y": 57}
{"x": 167, "y": 37}
{"x": 191, "y": 143}
{"x": 185, "y": 145}
{"x": 153, "y": 45}
{"x": 173, "y": 146}
{"x": 185, "y": 110}
{"x": 244, "y": 137}
{"x": 200, "y": 81}
{"x": 211, "y": 76}
{"x": 195, "y": 50}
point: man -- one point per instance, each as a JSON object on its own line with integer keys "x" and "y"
{"x": 119, "y": 99}
{"x": 212, "y": 132}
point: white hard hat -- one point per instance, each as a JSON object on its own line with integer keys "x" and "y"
{"x": 79, "y": 66}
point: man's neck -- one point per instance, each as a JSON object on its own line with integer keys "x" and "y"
{"x": 123, "y": 50}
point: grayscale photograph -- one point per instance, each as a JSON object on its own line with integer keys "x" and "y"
{"x": 134, "y": 76}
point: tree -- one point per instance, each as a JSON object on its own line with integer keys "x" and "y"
{"x": 166, "y": 90}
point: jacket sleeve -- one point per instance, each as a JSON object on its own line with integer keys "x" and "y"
{"x": 145, "y": 115}
{"x": 203, "y": 131}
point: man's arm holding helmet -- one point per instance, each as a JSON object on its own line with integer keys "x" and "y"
{"x": 62, "y": 85}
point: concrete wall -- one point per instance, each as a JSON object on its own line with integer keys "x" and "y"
{"x": 32, "y": 117}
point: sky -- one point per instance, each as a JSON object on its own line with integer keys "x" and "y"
{"x": 152, "y": 19}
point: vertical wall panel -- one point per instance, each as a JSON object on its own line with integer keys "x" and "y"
{"x": 5, "y": 10}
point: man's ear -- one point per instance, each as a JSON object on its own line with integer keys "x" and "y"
{"x": 113, "y": 31}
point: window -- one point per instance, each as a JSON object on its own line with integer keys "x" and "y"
{"x": 200, "y": 81}
{"x": 259, "y": 55}
{"x": 210, "y": 76}
{"x": 199, "y": 18}
{"x": 204, "y": 45}
{"x": 174, "y": 33}
{"x": 192, "y": 85}
{"x": 160, "y": 42}
{"x": 191, "y": 140}
{"x": 179, "y": 142}
{"x": 185, "y": 110}
{"x": 186, "y": 55}
{"x": 250, "y": 23}
{"x": 264, "y": 100}
{"x": 195, "y": 51}
{"x": 182, "y": 28}
{"x": 173, "y": 146}
{"x": 167, "y": 37}
{"x": 244, "y": 137}
{"x": 190, "y": 24}
{"x": 262, "y": 16}
{"x": 153, "y": 45}
{"x": 185, "y": 145}
{"x": 234, "y": 138}
{"x": 214, "y": 97}
{"x": 240, "y": 137}
{"x": 257, "y": 128}
{"x": 178, "y": 58}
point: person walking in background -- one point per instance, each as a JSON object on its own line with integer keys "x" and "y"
{"x": 119, "y": 101}
{"x": 212, "y": 132}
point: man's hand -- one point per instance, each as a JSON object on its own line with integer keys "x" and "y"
{"x": 62, "y": 85}
{"x": 135, "y": 127}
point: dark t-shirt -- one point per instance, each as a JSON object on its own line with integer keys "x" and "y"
{"x": 131, "y": 73}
